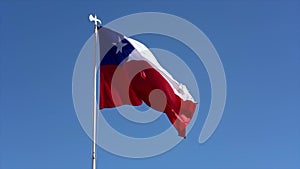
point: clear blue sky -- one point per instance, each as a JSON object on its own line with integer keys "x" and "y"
{"x": 258, "y": 43}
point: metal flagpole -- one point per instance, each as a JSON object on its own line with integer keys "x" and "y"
{"x": 95, "y": 20}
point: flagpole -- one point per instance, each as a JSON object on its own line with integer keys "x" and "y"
{"x": 94, "y": 104}
{"x": 95, "y": 20}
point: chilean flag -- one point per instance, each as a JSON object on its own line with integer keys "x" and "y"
{"x": 130, "y": 75}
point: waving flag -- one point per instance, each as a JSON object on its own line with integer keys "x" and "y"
{"x": 130, "y": 75}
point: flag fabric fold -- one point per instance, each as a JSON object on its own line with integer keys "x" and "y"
{"x": 131, "y": 75}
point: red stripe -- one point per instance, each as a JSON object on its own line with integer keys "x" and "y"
{"x": 136, "y": 81}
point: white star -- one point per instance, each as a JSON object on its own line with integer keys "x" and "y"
{"x": 119, "y": 45}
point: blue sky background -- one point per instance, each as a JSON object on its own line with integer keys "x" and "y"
{"x": 258, "y": 43}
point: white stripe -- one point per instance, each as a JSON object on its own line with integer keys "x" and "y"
{"x": 141, "y": 52}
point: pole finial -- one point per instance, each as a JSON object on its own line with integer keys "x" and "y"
{"x": 94, "y": 19}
